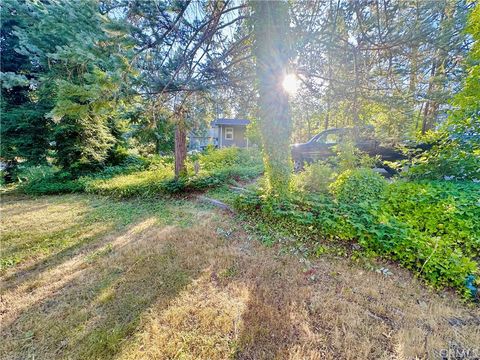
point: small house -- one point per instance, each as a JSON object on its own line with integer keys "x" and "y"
{"x": 222, "y": 133}
{"x": 231, "y": 132}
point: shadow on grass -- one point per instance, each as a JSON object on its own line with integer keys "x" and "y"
{"x": 206, "y": 291}
{"x": 200, "y": 285}
{"x": 36, "y": 269}
{"x": 88, "y": 233}
{"x": 238, "y": 306}
{"x": 92, "y": 313}
{"x": 23, "y": 212}
{"x": 269, "y": 327}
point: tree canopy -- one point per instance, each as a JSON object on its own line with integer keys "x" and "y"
{"x": 85, "y": 84}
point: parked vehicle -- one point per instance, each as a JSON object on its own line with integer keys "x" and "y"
{"x": 322, "y": 146}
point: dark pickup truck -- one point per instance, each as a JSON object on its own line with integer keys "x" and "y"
{"x": 321, "y": 146}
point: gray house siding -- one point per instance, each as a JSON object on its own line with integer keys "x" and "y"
{"x": 222, "y": 133}
{"x": 239, "y": 138}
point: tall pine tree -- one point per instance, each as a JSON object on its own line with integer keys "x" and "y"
{"x": 78, "y": 63}
{"x": 24, "y": 130}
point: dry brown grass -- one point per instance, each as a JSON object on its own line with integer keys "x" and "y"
{"x": 204, "y": 289}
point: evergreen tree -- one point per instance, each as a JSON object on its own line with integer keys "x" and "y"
{"x": 76, "y": 62}
{"x": 456, "y": 154}
{"x": 392, "y": 64}
{"x": 24, "y": 130}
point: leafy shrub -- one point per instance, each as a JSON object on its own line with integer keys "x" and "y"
{"x": 161, "y": 181}
{"x": 130, "y": 165}
{"x": 140, "y": 183}
{"x": 214, "y": 159}
{"x": 219, "y": 167}
{"x": 158, "y": 162}
{"x": 36, "y": 173}
{"x": 117, "y": 155}
{"x": 357, "y": 186}
{"x": 53, "y": 187}
{"x": 46, "y": 180}
{"x": 139, "y": 176}
{"x": 112, "y": 171}
{"x": 315, "y": 178}
{"x": 447, "y": 162}
{"x": 440, "y": 209}
{"x": 39, "y": 180}
{"x": 457, "y": 152}
{"x": 441, "y": 255}
{"x": 349, "y": 157}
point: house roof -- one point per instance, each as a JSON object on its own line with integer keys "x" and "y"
{"x": 238, "y": 122}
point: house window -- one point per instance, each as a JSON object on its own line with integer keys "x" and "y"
{"x": 229, "y": 133}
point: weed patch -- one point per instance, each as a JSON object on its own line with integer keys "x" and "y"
{"x": 408, "y": 226}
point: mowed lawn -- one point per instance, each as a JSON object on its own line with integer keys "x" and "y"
{"x": 88, "y": 277}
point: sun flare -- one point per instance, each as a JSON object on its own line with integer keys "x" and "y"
{"x": 290, "y": 84}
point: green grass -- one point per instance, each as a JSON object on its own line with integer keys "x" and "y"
{"x": 62, "y": 227}
{"x": 222, "y": 193}
{"x": 141, "y": 183}
{"x": 104, "y": 261}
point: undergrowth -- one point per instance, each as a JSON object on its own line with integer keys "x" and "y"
{"x": 430, "y": 228}
{"x": 147, "y": 176}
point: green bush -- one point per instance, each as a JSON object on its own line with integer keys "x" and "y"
{"x": 440, "y": 209}
{"x": 39, "y": 180}
{"x": 446, "y": 162}
{"x": 139, "y": 176}
{"x": 318, "y": 176}
{"x": 349, "y": 157}
{"x": 357, "y": 186}
{"x": 139, "y": 183}
{"x": 401, "y": 226}
{"x": 2, "y": 179}
{"x": 214, "y": 159}
{"x": 134, "y": 164}
{"x": 315, "y": 178}
{"x": 46, "y": 180}
{"x": 217, "y": 167}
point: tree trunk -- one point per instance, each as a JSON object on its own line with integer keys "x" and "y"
{"x": 330, "y": 56}
{"x": 355, "y": 91}
{"x": 180, "y": 150}
{"x": 412, "y": 87}
{"x": 426, "y": 111}
{"x": 309, "y": 127}
{"x": 272, "y": 52}
{"x": 414, "y": 62}
{"x": 157, "y": 143}
{"x": 327, "y": 116}
{"x": 438, "y": 72}
{"x": 425, "y": 117}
